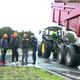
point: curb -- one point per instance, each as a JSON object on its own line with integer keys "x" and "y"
{"x": 18, "y": 65}
{"x": 54, "y": 73}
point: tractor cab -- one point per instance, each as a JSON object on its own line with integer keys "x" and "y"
{"x": 51, "y": 37}
{"x": 52, "y": 33}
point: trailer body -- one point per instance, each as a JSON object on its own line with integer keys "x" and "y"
{"x": 67, "y": 15}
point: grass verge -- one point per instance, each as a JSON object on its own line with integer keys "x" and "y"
{"x": 26, "y": 73}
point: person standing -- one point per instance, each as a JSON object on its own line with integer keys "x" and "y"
{"x": 25, "y": 48}
{"x": 14, "y": 44}
{"x": 43, "y": 35}
{"x": 4, "y": 47}
{"x": 34, "y": 47}
{"x": 64, "y": 38}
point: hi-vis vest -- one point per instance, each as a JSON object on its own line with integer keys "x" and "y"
{"x": 54, "y": 33}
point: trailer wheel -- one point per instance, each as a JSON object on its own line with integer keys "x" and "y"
{"x": 71, "y": 58}
{"x": 46, "y": 49}
{"x": 61, "y": 54}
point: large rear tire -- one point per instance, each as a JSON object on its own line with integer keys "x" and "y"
{"x": 46, "y": 49}
{"x": 72, "y": 58}
{"x": 39, "y": 51}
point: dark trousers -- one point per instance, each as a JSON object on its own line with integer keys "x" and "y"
{"x": 25, "y": 55}
{"x": 3, "y": 55}
{"x": 14, "y": 54}
{"x": 34, "y": 55}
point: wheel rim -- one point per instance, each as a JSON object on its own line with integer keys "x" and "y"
{"x": 68, "y": 57}
{"x": 43, "y": 48}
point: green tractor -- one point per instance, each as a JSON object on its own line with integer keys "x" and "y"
{"x": 56, "y": 42}
{"x": 50, "y": 41}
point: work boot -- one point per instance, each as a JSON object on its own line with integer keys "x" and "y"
{"x": 2, "y": 63}
{"x": 22, "y": 62}
{"x": 33, "y": 63}
{"x": 26, "y": 63}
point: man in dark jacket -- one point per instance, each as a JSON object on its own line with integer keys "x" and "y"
{"x": 14, "y": 44}
{"x": 34, "y": 49}
{"x": 25, "y": 48}
{"x": 4, "y": 47}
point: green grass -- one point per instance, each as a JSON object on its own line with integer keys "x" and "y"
{"x": 26, "y": 73}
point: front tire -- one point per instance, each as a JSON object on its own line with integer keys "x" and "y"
{"x": 39, "y": 51}
{"x": 46, "y": 49}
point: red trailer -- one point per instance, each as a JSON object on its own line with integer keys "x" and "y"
{"x": 67, "y": 13}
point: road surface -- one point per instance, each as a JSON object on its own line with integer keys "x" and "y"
{"x": 53, "y": 66}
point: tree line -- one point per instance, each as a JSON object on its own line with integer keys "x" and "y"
{"x": 9, "y": 31}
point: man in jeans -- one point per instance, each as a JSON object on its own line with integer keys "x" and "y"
{"x": 14, "y": 44}
{"x": 34, "y": 48}
{"x": 25, "y": 48}
{"x": 4, "y": 47}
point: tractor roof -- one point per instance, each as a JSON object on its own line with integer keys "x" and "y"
{"x": 54, "y": 28}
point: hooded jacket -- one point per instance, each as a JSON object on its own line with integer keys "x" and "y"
{"x": 4, "y": 43}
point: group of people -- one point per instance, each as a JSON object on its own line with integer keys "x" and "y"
{"x": 25, "y": 48}
{"x": 14, "y": 43}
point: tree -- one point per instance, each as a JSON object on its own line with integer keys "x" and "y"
{"x": 6, "y": 30}
{"x": 71, "y": 38}
{"x": 9, "y": 31}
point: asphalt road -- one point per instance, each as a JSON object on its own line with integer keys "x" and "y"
{"x": 53, "y": 66}
{"x": 72, "y": 73}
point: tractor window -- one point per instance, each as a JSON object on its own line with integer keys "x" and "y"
{"x": 51, "y": 32}
{"x": 58, "y": 33}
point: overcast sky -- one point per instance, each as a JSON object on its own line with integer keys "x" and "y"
{"x": 25, "y": 14}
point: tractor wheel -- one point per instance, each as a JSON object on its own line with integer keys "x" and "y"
{"x": 46, "y": 49}
{"x": 72, "y": 58}
{"x": 39, "y": 51}
{"x": 61, "y": 54}
{"x": 55, "y": 52}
